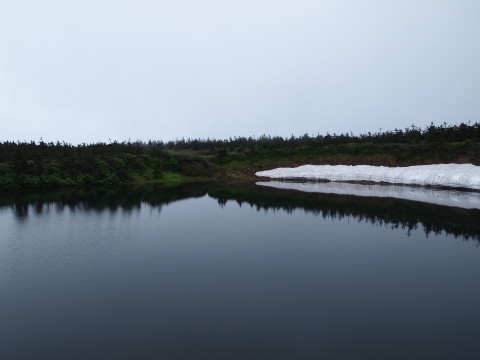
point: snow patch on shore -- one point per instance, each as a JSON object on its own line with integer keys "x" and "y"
{"x": 450, "y": 175}
{"x": 462, "y": 199}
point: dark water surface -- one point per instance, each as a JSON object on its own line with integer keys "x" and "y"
{"x": 236, "y": 272}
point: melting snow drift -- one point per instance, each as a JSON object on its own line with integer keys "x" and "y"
{"x": 462, "y": 199}
{"x": 450, "y": 175}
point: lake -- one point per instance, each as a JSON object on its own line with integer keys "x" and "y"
{"x": 236, "y": 271}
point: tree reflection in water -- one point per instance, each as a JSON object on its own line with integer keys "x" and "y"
{"x": 396, "y": 213}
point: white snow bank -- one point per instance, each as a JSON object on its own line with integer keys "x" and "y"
{"x": 463, "y": 199}
{"x": 452, "y": 175}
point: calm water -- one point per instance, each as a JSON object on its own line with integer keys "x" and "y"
{"x": 236, "y": 272}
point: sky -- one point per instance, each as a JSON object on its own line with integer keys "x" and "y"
{"x": 101, "y": 70}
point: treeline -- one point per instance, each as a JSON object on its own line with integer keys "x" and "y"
{"x": 413, "y": 135}
{"x": 32, "y": 165}
{"x": 42, "y": 164}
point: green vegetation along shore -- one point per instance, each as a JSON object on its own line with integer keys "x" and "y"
{"x": 41, "y": 165}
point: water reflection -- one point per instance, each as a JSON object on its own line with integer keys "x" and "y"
{"x": 127, "y": 199}
{"x": 240, "y": 273}
{"x": 390, "y": 211}
{"x": 432, "y": 195}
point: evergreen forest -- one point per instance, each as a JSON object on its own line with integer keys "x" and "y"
{"x": 41, "y": 164}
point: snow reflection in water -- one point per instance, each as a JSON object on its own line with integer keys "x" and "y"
{"x": 462, "y": 199}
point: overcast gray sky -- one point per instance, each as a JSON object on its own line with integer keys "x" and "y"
{"x": 91, "y": 70}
